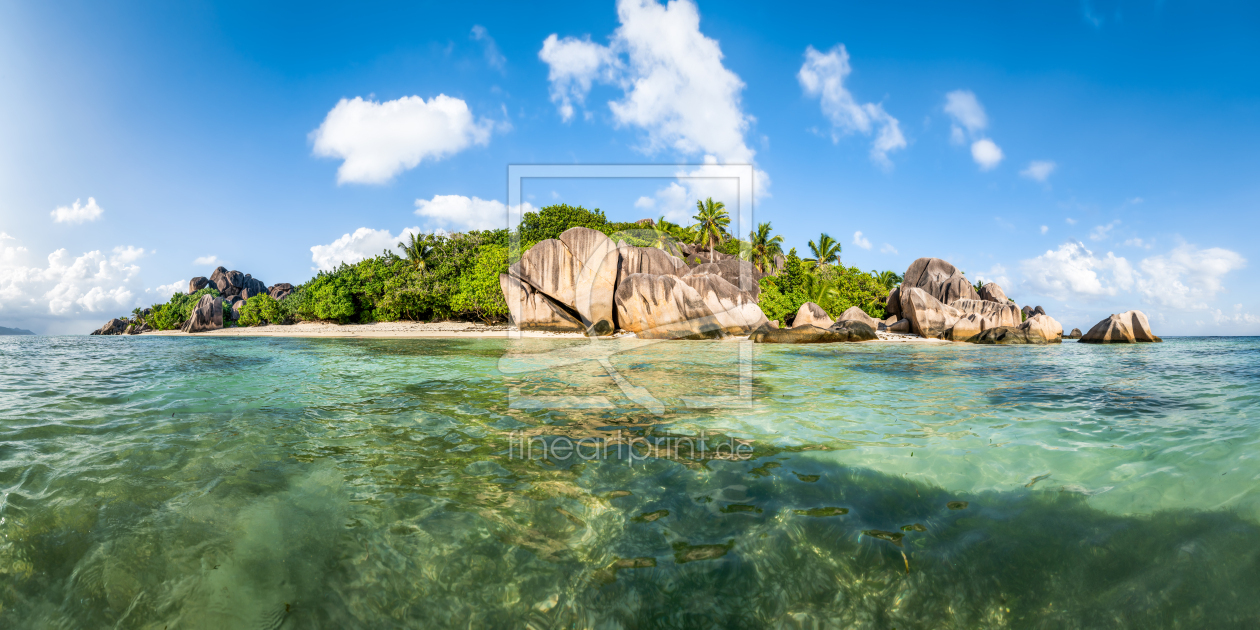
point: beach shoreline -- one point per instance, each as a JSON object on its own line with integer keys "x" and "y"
{"x": 420, "y": 330}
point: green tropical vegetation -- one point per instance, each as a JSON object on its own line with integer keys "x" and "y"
{"x": 456, "y": 276}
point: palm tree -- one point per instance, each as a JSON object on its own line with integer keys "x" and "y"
{"x": 887, "y": 279}
{"x": 817, "y": 289}
{"x": 418, "y": 250}
{"x": 764, "y": 247}
{"x": 825, "y": 251}
{"x": 713, "y": 221}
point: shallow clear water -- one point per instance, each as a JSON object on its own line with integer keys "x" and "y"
{"x": 300, "y": 483}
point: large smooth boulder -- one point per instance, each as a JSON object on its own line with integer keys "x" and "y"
{"x": 1001, "y": 314}
{"x": 1038, "y": 311}
{"x": 664, "y": 307}
{"x": 1026, "y": 312}
{"x": 893, "y": 302}
{"x": 900, "y": 326}
{"x": 1044, "y": 326}
{"x": 856, "y": 314}
{"x": 197, "y": 284}
{"x": 940, "y": 279}
{"x": 845, "y": 332}
{"x": 530, "y": 309}
{"x": 648, "y": 260}
{"x": 219, "y": 279}
{"x": 112, "y": 327}
{"x": 992, "y": 292}
{"x": 280, "y": 291}
{"x": 968, "y": 326}
{"x": 207, "y": 315}
{"x": 253, "y": 285}
{"x": 928, "y": 316}
{"x": 597, "y": 263}
{"x": 734, "y": 310}
{"x": 548, "y": 267}
{"x": 810, "y": 314}
{"x": 1126, "y": 327}
{"x": 1075, "y": 334}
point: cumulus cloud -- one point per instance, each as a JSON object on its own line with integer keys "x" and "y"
{"x": 76, "y": 213}
{"x": 494, "y": 58}
{"x": 1039, "y": 170}
{"x": 1187, "y": 277}
{"x": 351, "y": 248}
{"x": 473, "y": 213}
{"x": 861, "y": 241}
{"x": 1103, "y": 232}
{"x": 376, "y": 141}
{"x": 66, "y": 286}
{"x": 207, "y": 260}
{"x": 968, "y": 119}
{"x": 823, "y": 75}
{"x": 165, "y": 290}
{"x": 675, "y": 88}
{"x": 888, "y": 249}
{"x": 1073, "y": 271}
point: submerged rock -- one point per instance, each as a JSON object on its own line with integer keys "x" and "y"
{"x": 1126, "y": 327}
{"x": 1008, "y": 335}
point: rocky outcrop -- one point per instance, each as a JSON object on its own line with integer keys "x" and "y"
{"x": 280, "y": 291}
{"x": 841, "y": 332}
{"x": 1044, "y": 326}
{"x": 1127, "y": 327}
{"x": 740, "y": 273}
{"x": 233, "y": 283}
{"x": 207, "y": 315}
{"x": 1076, "y": 334}
{"x": 664, "y": 307}
{"x": 649, "y": 260}
{"x": 968, "y": 326}
{"x": 940, "y": 279}
{"x": 900, "y": 326}
{"x": 810, "y": 314}
{"x": 112, "y": 327}
{"x": 1038, "y": 311}
{"x": 596, "y": 259}
{"x": 928, "y": 316}
{"x": 1008, "y": 335}
{"x": 1026, "y": 312}
{"x": 856, "y": 314}
{"x": 548, "y": 266}
{"x": 197, "y": 284}
{"x": 991, "y": 292}
{"x": 999, "y": 314}
{"x": 530, "y": 309}
{"x": 734, "y": 309}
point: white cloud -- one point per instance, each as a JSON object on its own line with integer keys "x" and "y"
{"x": 351, "y": 248}
{"x": 166, "y": 290}
{"x": 1045, "y": 228}
{"x": 888, "y": 249}
{"x": 76, "y": 213}
{"x": 4, "y": 236}
{"x": 1186, "y": 277}
{"x": 473, "y": 213}
{"x": 68, "y": 286}
{"x": 1137, "y": 242}
{"x": 968, "y": 114}
{"x": 823, "y": 75}
{"x": 494, "y": 58}
{"x": 1237, "y": 318}
{"x": 379, "y": 140}
{"x": 1070, "y": 221}
{"x": 676, "y": 89}
{"x": 207, "y": 260}
{"x": 645, "y": 203}
{"x": 1039, "y": 170}
{"x": 966, "y": 110}
{"x": 997, "y": 274}
{"x": 1072, "y": 271}
{"x": 861, "y": 241}
{"x": 986, "y": 153}
{"x": 1103, "y": 232}
{"x": 574, "y": 65}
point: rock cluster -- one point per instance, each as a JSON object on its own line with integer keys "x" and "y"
{"x": 236, "y": 287}
{"x": 841, "y": 331}
{"x": 1038, "y": 329}
{"x": 206, "y": 315}
{"x": 1127, "y": 327}
{"x": 585, "y": 282}
{"x": 112, "y": 327}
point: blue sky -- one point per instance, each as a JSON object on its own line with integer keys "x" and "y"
{"x": 1092, "y": 157}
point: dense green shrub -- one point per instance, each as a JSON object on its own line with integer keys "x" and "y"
{"x": 261, "y": 309}
{"x": 835, "y": 288}
{"x": 174, "y": 313}
{"x": 478, "y": 294}
{"x": 551, "y": 221}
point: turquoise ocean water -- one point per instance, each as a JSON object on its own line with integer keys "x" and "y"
{"x": 150, "y": 482}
